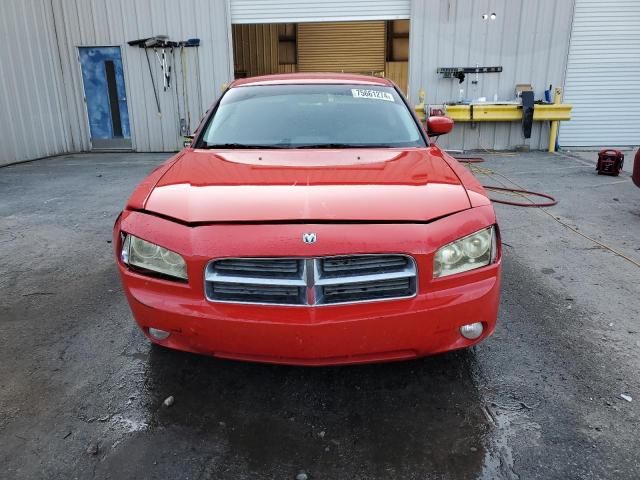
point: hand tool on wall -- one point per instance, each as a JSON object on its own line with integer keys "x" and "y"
{"x": 153, "y": 82}
{"x": 161, "y": 42}
{"x": 167, "y": 61}
{"x": 527, "y": 113}
{"x": 191, "y": 42}
{"x": 186, "y": 130}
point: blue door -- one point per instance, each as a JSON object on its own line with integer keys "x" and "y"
{"x": 106, "y": 97}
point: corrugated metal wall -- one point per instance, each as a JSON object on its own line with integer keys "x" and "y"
{"x": 297, "y": 11}
{"x": 529, "y": 39}
{"x": 603, "y": 75}
{"x": 114, "y": 23}
{"x": 41, "y": 93}
{"x": 33, "y": 122}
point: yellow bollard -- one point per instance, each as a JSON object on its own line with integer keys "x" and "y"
{"x": 553, "y": 134}
{"x": 421, "y": 109}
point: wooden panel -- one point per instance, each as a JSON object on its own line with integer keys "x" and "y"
{"x": 352, "y": 47}
{"x": 399, "y": 73}
{"x": 398, "y": 41}
{"x": 255, "y": 49}
{"x": 287, "y": 68}
{"x": 401, "y": 27}
{"x": 287, "y": 30}
{"x": 286, "y": 52}
{"x": 400, "y": 48}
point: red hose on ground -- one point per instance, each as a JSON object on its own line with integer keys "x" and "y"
{"x": 552, "y": 201}
{"x": 470, "y": 159}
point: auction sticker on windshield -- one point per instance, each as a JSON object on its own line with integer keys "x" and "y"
{"x": 373, "y": 94}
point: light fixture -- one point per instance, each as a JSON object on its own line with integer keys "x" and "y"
{"x": 145, "y": 255}
{"x": 472, "y": 330}
{"x": 159, "y": 334}
{"x": 468, "y": 253}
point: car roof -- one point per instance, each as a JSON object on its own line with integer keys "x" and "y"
{"x": 311, "y": 78}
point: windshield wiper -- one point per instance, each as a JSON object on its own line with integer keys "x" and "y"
{"x": 244, "y": 146}
{"x": 342, "y": 145}
{"x": 240, "y": 146}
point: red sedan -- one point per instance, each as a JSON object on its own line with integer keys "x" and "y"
{"x": 312, "y": 222}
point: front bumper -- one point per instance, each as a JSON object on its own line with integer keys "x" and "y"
{"x": 330, "y": 334}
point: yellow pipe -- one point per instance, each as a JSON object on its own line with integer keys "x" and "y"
{"x": 421, "y": 108}
{"x": 491, "y": 112}
{"x": 553, "y": 134}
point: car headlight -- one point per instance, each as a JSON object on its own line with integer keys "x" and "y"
{"x": 473, "y": 251}
{"x": 149, "y": 256}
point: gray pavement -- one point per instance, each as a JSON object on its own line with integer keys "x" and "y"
{"x": 81, "y": 390}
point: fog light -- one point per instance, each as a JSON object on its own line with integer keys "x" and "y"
{"x": 471, "y": 331}
{"x": 158, "y": 334}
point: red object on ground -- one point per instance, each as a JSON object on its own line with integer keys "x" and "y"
{"x": 209, "y": 205}
{"x": 610, "y": 162}
{"x": 636, "y": 169}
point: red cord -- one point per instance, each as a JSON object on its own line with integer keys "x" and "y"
{"x": 470, "y": 159}
{"x": 551, "y": 203}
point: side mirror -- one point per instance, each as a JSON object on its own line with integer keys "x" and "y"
{"x": 439, "y": 126}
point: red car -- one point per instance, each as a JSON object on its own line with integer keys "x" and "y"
{"x": 312, "y": 222}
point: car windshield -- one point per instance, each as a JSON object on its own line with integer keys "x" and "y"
{"x": 312, "y": 116}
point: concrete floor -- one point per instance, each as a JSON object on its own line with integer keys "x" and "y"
{"x": 81, "y": 391}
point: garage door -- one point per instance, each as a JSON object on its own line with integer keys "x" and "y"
{"x": 298, "y": 11}
{"x": 353, "y": 47}
{"x": 603, "y": 75}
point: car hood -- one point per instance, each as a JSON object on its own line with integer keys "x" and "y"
{"x": 308, "y": 185}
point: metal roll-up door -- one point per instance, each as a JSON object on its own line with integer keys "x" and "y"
{"x": 353, "y": 47}
{"x": 298, "y": 11}
{"x": 603, "y": 75}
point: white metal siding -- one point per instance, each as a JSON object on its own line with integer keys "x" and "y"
{"x": 115, "y": 22}
{"x": 33, "y": 122}
{"x": 529, "y": 39}
{"x": 298, "y": 11}
{"x": 603, "y": 75}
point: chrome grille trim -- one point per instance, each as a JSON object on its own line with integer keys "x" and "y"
{"x": 388, "y": 288}
{"x": 331, "y": 266}
{"x": 314, "y": 281}
{"x": 265, "y": 267}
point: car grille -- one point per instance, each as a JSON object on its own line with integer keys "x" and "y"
{"x": 311, "y": 281}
